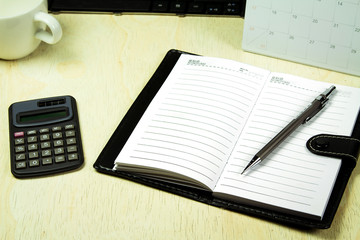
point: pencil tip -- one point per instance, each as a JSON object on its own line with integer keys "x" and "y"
{"x": 245, "y": 169}
{"x": 256, "y": 160}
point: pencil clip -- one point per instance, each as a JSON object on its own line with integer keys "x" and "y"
{"x": 344, "y": 147}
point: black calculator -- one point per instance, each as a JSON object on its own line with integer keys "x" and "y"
{"x": 44, "y": 137}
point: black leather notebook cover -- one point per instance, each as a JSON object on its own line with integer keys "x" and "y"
{"x": 329, "y": 146}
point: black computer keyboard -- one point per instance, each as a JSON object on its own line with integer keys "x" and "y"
{"x": 235, "y": 8}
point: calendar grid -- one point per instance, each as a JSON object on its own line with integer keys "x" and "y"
{"x": 322, "y": 33}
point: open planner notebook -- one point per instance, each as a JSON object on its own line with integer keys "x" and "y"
{"x": 210, "y": 117}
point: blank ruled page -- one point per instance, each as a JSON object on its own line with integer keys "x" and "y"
{"x": 291, "y": 177}
{"x": 193, "y": 123}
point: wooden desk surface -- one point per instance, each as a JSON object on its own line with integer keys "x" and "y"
{"x": 104, "y": 61}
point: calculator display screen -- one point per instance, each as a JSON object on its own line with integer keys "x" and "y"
{"x": 38, "y": 117}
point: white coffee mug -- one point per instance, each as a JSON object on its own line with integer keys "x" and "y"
{"x": 23, "y": 25}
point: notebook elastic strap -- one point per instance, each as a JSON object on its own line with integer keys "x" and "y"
{"x": 344, "y": 147}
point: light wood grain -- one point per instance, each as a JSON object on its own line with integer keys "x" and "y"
{"x": 104, "y": 61}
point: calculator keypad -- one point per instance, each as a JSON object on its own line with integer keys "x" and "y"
{"x": 45, "y": 147}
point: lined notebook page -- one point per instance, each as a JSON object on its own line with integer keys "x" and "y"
{"x": 193, "y": 123}
{"x": 291, "y": 177}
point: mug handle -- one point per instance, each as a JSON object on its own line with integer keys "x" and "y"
{"x": 54, "y": 26}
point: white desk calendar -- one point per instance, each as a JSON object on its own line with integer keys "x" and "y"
{"x": 322, "y": 33}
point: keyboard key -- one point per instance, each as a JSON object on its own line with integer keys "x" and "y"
{"x": 232, "y": 8}
{"x": 177, "y": 7}
{"x": 196, "y": 8}
{"x": 160, "y": 6}
{"x": 214, "y": 9}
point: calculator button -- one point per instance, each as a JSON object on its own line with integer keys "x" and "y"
{"x": 33, "y": 155}
{"x": 19, "y": 157}
{"x": 57, "y": 135}
{"x": 20, "y": 149}
{"x": 70, "y": 126}
{"x": 46, "y": 161}
{"x": 19, "y": 134}
{"x": 45, "y": 145}
{"x": 44, "y": 137}
{"x": 56, "y": 129}
{"x": 73, "y": 157}
{"x": 31, "y": 132}
{"x": 19, "y": 141}
{"x": 71, "y": 149}
{"x": 44, "y": 130}
{"x": 58, "y": 143}
{"x": 32, "y": 147}
{"x": 32, "y": 139}
{"x": 20, "y": 165}
{"x": 71, "y": 141}
{"x": 34, "y": 163}
{"x": 59, "y": 159}
{"x": 70, "y": 133}
{"x": 46, "y": 153}
{"x": 58, "y": 151}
